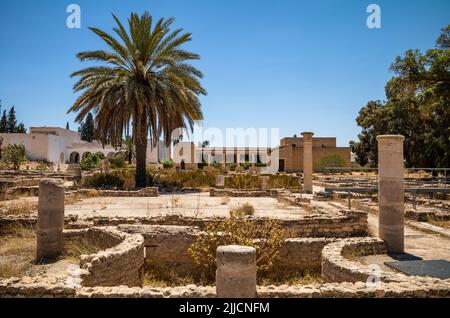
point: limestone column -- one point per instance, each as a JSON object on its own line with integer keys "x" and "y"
{"x": 236, "y": 272}
{"x": 307, "y": 162}
{"x": 105, "y": 166}
{"x": 391, "y": 192}
{"x": 74, "y": 169}
{"x": 264, "y": 183}
{"x": 220, "y": 181}
{"x": 50, "y": 222}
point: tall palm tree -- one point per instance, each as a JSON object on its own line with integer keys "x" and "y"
{"x": 144, "y": 79}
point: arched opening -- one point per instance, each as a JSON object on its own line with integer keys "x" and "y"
{"x": 87, "y": 153}
{"x": 74, "y": 157}
{"x": 183, "y": 165}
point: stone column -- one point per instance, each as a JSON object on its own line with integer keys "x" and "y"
{"x": 264, "y": 183}
{"x": 236, "y": 272}
{"x": 74, "y": 169}
{"x": 105, "y": 166}
{"x": 391, "y": 192}
{"x": 50, "y": 222}
{"x": 220, "y": 181}
{"x": 307, "y": 162}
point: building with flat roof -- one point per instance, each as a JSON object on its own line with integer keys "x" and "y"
{"x": 289, "y": 154}
{"x": 58, "y": 146}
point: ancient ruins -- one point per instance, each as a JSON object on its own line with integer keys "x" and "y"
{"x": 343, "y": 230}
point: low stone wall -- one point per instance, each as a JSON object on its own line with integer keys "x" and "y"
{"x": 424, "y": 289}
{"x": 21, "y": 191}
{"x": 348, "y": 224}
{"x": 302, "y": 254}
{"x": 120, "y": 262}
{"x": 145, "y": 192}
{"x": 6, "y": 221}
{"x": 215, "y": 192}
{"x": 167, "y": 247}
{"x": 337, "y": 267}
{"x": 424, "y": 215}
{"x": 427, "y": 227}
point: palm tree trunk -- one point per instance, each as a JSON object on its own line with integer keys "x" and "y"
{"x": 141, "y": 151}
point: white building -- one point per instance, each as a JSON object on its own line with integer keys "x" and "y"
{"x": 59, "y": 145}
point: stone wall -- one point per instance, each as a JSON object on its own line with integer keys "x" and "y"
{"x": 146, "y": 192}
{"x": 7, "y": 221}
{"x": 347, "y": 224}
{"x": 120, "y": 262}
{"x": 215, "y": 192}
{"x": 337, "y": 267}
{"x": 302, "y": 254}
{"x": 167, "y": 247}
{"x": 15, "y": 287}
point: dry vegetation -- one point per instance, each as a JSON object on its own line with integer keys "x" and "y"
{"x": 77, "y": 197}
{"x": 158, "y": 277}
{"x": 23, "y": 207}
{"x": 266, "y": 237}
{"x": 305, "y": 277}
{"x": 72, "y": 249}
{"x": 17, "y": 251}
{"x": 440, "y": 223}
{"x": 241, "y": 211}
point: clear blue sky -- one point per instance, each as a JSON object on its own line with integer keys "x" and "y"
{"x": 294, "y": 65}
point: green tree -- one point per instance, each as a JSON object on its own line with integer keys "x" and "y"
{"x": 20, "y": 129}
{"x": 88, "y": 128}
{"x": 14, "y": 155}
{"x": 129, "y": 149}
{"x": 12, "y": 121}
{"x": 145, "y": 79}
{"x": 4, "y": 123}
{"x": 417, "y": 106}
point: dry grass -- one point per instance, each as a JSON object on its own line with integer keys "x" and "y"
{"x": 443, "y": 224}
{"x": 157, "y": 277}
{"x": 73, "y": 249}
{"x": 17, "y": 251}
{"x": 244, "y": 210}
{"x": 19, "y": 208}
{"x": 77, "y": 197}
{"x": 305, "y": 277}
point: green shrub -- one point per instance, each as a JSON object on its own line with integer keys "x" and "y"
{"x": 100, "y": 180}
{"x": 14, "y": 155}
{"x": 242, "y": 182}
{"x": 266, "y": 237}
{"x": 91, "y": 162}
{"x": 168, "y": 164}
{"x": 284, "y": 182}
{"x": 185, "y": 179}
{"x": 117, "y": 163}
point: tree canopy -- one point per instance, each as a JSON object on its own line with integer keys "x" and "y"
{"x": 417, "y": 106}
{"x": 145, "y": 79}
{"x": 8, "y": 122}
{"x": 88, "y": 128}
